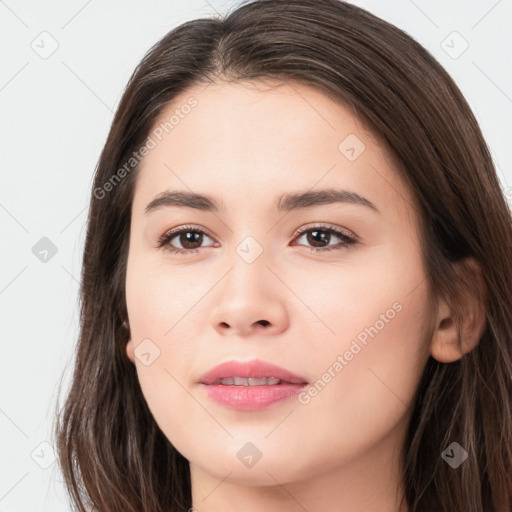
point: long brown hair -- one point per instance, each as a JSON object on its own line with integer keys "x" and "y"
{"x": 111, "y": 451}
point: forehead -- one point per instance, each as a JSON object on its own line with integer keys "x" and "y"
{"x": 260, "y": 140}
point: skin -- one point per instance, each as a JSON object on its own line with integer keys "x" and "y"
{"x": 245, "y": 144}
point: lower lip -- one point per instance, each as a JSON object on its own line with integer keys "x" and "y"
{"x": 251, "y": 398}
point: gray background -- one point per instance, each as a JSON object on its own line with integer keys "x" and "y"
{"x": 56, "y": 109}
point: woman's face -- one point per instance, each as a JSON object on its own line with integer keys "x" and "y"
{"x": 347, "y": 318}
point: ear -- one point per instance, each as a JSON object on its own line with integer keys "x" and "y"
{"x": 445, "y": 345}
{"x": 129, "y": 345}
{"x": 129, "y": 351}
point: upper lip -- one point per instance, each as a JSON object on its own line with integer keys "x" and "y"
{"x": 255, "y": 368}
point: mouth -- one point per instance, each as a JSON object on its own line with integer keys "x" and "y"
{"x": 250, "y": 373}
{"x": 250, "y": 381}
{"x": 250, "y": 386}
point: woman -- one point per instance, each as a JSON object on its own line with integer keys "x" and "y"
{"x": 231, "y": 356}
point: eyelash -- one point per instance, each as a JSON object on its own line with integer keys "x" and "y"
{"x": 165, "y": 239}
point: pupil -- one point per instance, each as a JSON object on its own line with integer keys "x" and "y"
{"x": 191, "y": 237}
{"x": 318, "y": 236}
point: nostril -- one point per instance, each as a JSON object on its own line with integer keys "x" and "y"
{"x": 263, "y": 322}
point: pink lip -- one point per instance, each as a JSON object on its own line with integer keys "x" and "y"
{"x": 254, "y": 368}
{"x": 250, "y": 398}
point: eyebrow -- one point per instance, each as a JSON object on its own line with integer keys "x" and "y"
{"x": 284, "y": 203}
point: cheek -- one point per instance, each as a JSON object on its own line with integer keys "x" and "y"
{"x": 157, "y": 297}
{"x": 368, "y": 371}
{"x": 373, "y": 293}
{"x": 163, "y": 338}
{"x": 365, "y": 388}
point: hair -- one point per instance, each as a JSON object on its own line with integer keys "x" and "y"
{"x": 111, "y": 451}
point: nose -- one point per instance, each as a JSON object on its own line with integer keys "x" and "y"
{"x": 249, "y": 300}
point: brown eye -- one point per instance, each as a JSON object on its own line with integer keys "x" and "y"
{"x": 320, "y": 237}
{"x": 188, "y": 238}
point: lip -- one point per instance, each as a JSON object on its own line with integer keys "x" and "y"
{"x": 255, "y": 368}
{"x": 250, "y": 398}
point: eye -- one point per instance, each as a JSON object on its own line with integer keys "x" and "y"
{"x": 321, "y": 235}
{"x": 190, "y": 238}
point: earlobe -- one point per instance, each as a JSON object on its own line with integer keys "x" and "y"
{"x": 129, "y": 351}
{"x": 445, "y": 345}
{"x": 129, "y": 344}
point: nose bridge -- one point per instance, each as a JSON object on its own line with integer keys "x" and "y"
{"x": 249, "y": 239}
{"x": 250, "y": 297}
{"x": 250, "y": 245}
{"x": 252, "y": 248}
{"x": 249, "y": 260}
{"x": 248, "y": 278}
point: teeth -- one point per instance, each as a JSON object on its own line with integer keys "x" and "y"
{"x": 242, "y": 381}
